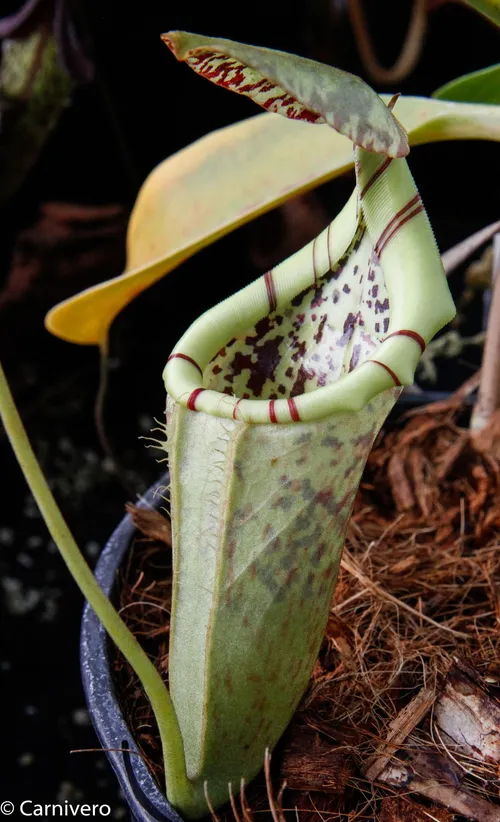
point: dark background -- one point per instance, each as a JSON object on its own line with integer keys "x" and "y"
{"x": 142, "y": 107}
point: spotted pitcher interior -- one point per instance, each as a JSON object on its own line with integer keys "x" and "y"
{"x": 324, "y": 332}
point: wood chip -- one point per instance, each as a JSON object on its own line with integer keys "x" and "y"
{"x": 151, "y": 524}
{"x": 399, "y": 728}
{"x": 468, "y": 715}
{"x": 433, "y": 776}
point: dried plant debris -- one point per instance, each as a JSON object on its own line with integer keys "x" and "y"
{"x": 150, "y": 523}
{"x": 402, "y": 809}
{"x": 401, "y": 720}
{"x": 327, "y": 770}
{"x": 465, "y": 723}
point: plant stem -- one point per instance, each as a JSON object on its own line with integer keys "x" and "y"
{"x": 461, "y": 252}
{"x": 489, "y": 388}
{"x": 100, "y": 424}
{"x": 410, "y": 52}
{"x": 179, "y": 789}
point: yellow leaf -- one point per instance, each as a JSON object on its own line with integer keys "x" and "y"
{"x": 227, "y": 179}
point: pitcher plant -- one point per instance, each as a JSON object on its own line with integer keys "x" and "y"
{"x": 275, "y": 397}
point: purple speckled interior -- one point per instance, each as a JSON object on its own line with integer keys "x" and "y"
{"x": 326, "y": 331}
{"x": 146, "y": 802}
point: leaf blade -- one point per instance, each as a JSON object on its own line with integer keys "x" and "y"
{"x": 481, "y": 86}
{"x": 488, "y": 8}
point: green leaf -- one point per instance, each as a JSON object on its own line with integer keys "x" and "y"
{"x": 295, "y": 87}
{"x": 488, "y": 8}
{"x": 481, "y": 86}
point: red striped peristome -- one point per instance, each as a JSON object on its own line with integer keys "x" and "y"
{"x": 396, "y": 217}
{"x": 375, "y": 176}
{"x": 191, "y": 403}
{"x": 401, "y": 223}
{"x": 292, "y": 408}
{"x": 396, "y": 223}
{"x": 394, "y": 376}
{"x": 412, "y": 334}
{"x": 235, "y": 410}
{"x": 181, "y": 356}
{"x": 294, "y": 413}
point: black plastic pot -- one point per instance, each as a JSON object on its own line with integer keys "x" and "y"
{"x": 144, "y": 799}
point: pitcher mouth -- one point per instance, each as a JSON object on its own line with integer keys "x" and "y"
{"x": 343, "y": 319}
